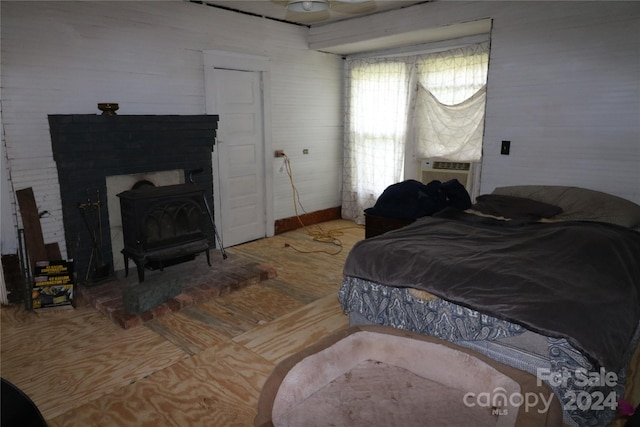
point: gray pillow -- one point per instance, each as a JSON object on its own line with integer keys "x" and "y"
{"x": 579, "y": 204}
{"x": 514, "y": 207}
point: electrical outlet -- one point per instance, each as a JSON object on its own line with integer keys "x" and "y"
{"x": 279, "y": 153}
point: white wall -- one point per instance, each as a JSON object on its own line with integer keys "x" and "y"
{"x": 563, "y": 86}
{"x": 8, "y": 243}
{"x": 565, "y": 89}
{"x": 65, "y": 57}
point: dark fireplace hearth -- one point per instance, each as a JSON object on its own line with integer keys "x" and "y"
{"x": 88, "y": 148}
{"x": 163, "y": 224}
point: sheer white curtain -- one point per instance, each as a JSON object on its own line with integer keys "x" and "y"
{"x": 440, "y": 95}
{"x": 449, "y": 132}
{"x": 450, "y": 102}
{"x": 375, "y": 131}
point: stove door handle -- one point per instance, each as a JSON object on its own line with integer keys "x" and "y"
{"x": 193, "y": 172}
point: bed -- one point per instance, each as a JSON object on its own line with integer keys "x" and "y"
{"x": 542, "y": 278}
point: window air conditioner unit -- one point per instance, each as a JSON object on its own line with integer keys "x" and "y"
{"x": 435, "y": 170}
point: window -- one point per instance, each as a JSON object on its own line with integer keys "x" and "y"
{"x": 436, "y": 99}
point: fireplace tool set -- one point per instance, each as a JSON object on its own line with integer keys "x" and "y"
{"x": 209, "y": 214}
{"x": 91, "y": 214}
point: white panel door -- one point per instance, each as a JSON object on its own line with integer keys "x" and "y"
{"x": 240, "y": 149}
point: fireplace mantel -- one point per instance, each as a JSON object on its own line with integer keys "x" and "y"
{"x": 89, "y": 147}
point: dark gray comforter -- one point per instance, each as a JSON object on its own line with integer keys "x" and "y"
{"x": 577, "y": 280}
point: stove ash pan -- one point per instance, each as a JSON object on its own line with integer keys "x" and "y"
{"x": 163, "y": 224}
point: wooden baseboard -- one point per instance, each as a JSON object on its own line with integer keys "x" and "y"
{"x": 293, "y": 223}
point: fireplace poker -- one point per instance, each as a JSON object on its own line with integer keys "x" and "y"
{"x": 101, "y": 269}
{"x": 209, "y": 214}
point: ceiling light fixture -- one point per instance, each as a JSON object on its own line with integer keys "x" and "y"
{"x": 308, "y": 5}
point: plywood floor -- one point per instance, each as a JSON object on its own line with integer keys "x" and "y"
{"x": 203, "y": 366}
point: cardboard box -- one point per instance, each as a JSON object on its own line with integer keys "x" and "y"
{"x": 54, "y": 284}
{"x": 53, "y": 268}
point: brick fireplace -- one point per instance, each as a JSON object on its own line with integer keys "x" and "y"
{"x": 91, "y": 149}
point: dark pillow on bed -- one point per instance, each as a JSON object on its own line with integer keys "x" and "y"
{"x": 514, "y": 207}
{"x": 580, "y": 204}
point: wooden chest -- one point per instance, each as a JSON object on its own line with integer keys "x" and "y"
{"x": 376, "y": 225}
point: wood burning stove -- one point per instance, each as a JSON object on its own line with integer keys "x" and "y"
{"x": 163, "y": 224}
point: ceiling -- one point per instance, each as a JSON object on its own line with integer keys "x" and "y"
{"x": 338, "y": 10}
